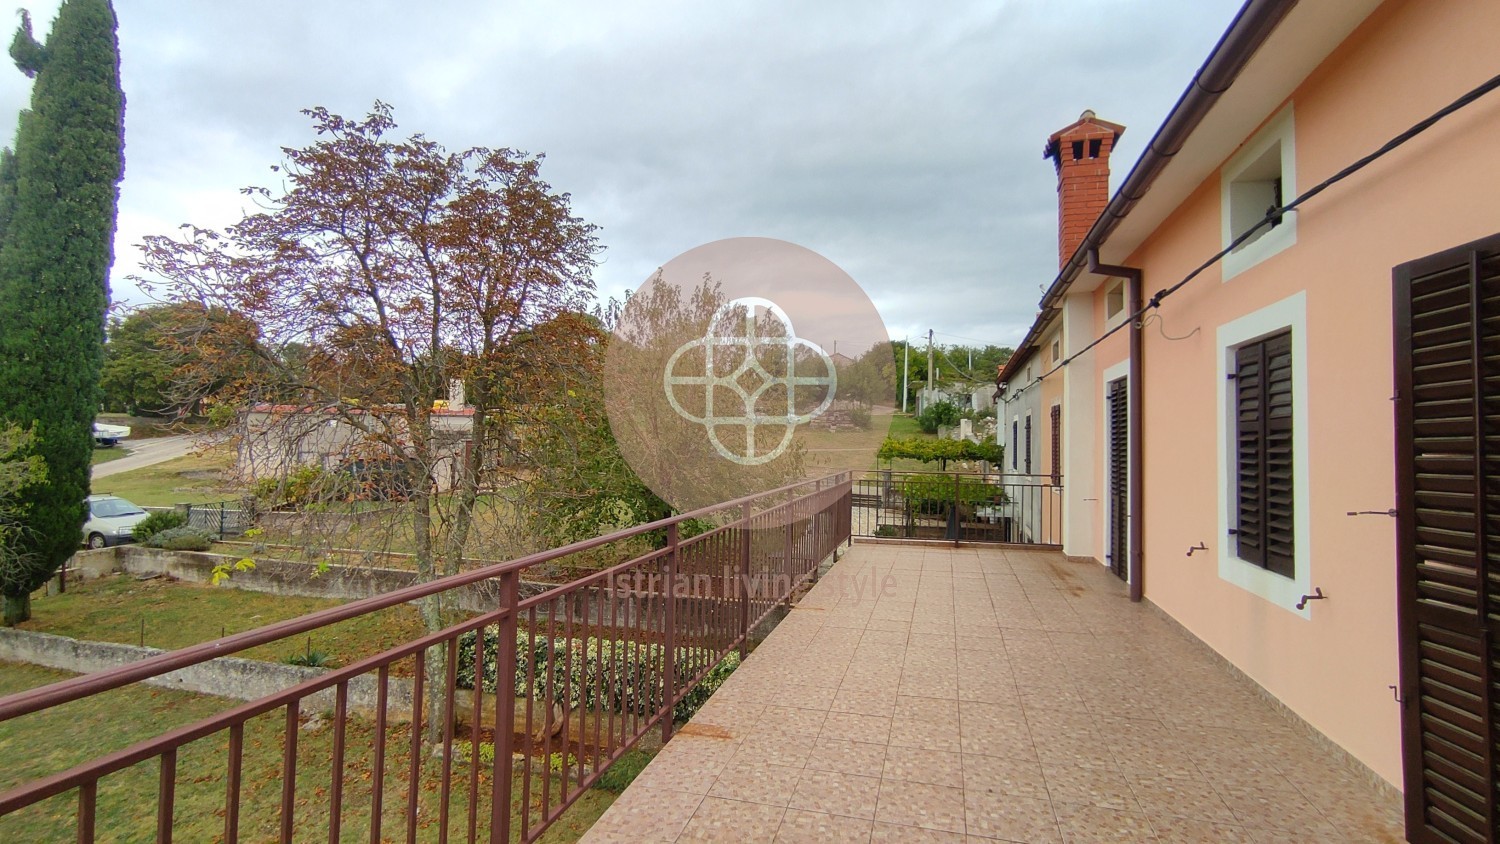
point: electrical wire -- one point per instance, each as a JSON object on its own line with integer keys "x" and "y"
{"x": 1162, "y": 331}
{"x": 1272, "y": 215}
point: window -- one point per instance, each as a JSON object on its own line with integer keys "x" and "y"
{"x": 1056, "y": 350}
{"x": 1114, "y": 300}
{"x": 1258, "y": 179}
{"x": 1057, "y": 445}
{"x": 1015, "y": 440}
{"x": 1028, "y": 444}
{"x": 1263, "y": 471}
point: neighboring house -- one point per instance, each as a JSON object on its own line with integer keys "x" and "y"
{"x": 278, "y": 438}
{"x": 1236, "y": 449}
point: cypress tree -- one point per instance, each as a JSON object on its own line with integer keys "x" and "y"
{"x": 54, "y": 269}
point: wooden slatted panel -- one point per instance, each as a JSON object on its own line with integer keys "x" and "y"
{"x": 1028, "y": 445}
{"x": 1448, "y": 440}
{"x": 1264, "y": 532}
{"x": 1119, "y": 480}
{"x": 1057, "y": 445}
{"x": 1249, "y": 390}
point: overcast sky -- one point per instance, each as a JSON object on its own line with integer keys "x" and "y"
{"x": 901, "y": 140}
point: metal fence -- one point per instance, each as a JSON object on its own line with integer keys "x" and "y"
{"x": 220, "y": 518}
{"x": 958, "y": 507}
{"x": 595, "y": 664}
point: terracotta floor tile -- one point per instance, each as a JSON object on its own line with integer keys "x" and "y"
{"x": 846, "y": 757}
{"x": 837, "y": 794}
{"x": 1061, "y": 709}
{"x": 718, "y": 820}
{"x": 928, "y": 766}
{"x": 1102, "y": 787}
{"x": 921, "y": 804}
{"x": 644, "y": 814}
{"x": 1011, "y": 818}
{"x": 1095, "y": 825}
{"x": 886, "y": 833}
{"x": 799, "y": 826}
{"x": 757, "y": 783}
{"x": 1004, "y": 778}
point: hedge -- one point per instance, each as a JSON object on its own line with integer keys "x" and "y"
{"x": 608, "y": 674}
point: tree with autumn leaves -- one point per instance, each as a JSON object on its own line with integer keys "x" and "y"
{"x": 381, "y": 271}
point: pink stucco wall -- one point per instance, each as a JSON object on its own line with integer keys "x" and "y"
{"x": 1408, "y": 59}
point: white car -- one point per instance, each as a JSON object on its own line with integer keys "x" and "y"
{"x": 109, "y": 436}
{"x": 111, "y": 521}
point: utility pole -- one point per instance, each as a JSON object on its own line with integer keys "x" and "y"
{"x": 905, "y": 368}
{"x": 930, "y": 371}
{"x": 971, "y": 360}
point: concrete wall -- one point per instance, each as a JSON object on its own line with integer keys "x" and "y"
{"x": 231, "y": 677}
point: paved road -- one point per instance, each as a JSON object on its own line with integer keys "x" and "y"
{"x": 146, "y": 453}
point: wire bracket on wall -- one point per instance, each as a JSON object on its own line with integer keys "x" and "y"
{"x": 1317, "y": 595}
{"x": 1396, "y": 694}
{"x": 1391, "y": 512}
{"x": 1199, "y": 547}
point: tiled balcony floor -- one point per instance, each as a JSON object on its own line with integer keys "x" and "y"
{"x": 994, "y": 694}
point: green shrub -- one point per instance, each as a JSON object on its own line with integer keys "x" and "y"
{"x": 605, "y": 674}
{"x": 938, "y": 414}
{"x": 303, "y": 487}
{"x": 932, "y": 495}
{"x": 311, "y": 659}
{"x": 182, "y": 539}
{"x": 617, "y": 777}
{"x": 859, "y": 417}
{"x": 156, "y": 523}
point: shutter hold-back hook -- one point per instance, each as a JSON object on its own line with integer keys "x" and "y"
{"x": 1317, "y": 595}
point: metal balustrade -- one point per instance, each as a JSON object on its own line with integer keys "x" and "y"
{"x": 596, "y": 664}
{"x": 958, "y": 507}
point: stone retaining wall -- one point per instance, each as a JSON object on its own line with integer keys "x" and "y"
{"x": 231, "y": 677}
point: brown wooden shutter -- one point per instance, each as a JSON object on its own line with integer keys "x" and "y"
{"x": 1057, "y": 445}
{"x": 1263, "y": 453}
{"x": 1448, "y": 502}
{"x": 1119, "y": 478}
{"x": 1028, "y": 445}
{"x": 1015, "y": 440}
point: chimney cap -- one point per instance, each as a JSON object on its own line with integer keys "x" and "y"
{"x": 1087, "y": 117}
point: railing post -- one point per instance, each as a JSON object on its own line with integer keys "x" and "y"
{"x": 786, "y": 553}
{"x": 744, "y": 579}
{"x": 669, "y": 635}
{"x": 505, "y": 705}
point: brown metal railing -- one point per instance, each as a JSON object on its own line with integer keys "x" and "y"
{"x": 594, "y": 665}
{"x": 958, "y": 507}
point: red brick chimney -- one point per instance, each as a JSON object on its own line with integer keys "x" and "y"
{"x": 1080, "y": 152}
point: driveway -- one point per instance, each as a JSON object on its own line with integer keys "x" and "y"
{"x": 143, "y": 453}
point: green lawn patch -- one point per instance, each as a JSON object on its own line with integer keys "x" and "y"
{"x": 104, "y": 455}
{"x": 164, "y": 614}
{"x": 49, "y": 741}
{"x": 190, "y": 479}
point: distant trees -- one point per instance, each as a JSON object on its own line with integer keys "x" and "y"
{"x": 379, "y": 273}
{"x": 58, "y": 198}
{"x": 165, "y": 360}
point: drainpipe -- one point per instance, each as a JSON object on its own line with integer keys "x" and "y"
{"x": 1134, "y": 445}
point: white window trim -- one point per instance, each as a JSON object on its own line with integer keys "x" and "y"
{"x": 1112, "y": 321}
{"x": 1282, "y": 591}
{"x": 1280, "y": 129}
{"x": 1114, "y": 373}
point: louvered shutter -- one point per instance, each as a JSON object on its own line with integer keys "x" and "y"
{"x": 1028, "y": 445}
{"x": 1057, "y": 445}
{"x": 1119, "y": 478}
{"x": 1448, "y": 497}
{"x": 1015, "y": 440}
{"x": 1263, "y": 454}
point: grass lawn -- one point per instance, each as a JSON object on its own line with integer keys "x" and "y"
{"x": 104, "y": 455}
{"x": 49, "y": 741}
{"x": 112, "y": 609}
{"x": 905, "y": 425}
{"x": 190, "y": 479}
